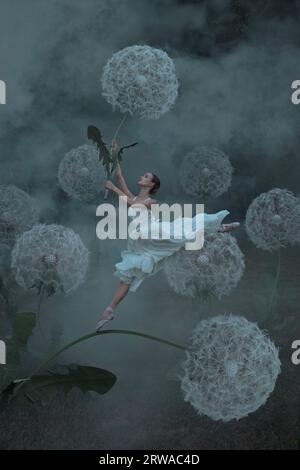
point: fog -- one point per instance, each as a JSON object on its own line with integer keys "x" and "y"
{"x": 235, "y": 63}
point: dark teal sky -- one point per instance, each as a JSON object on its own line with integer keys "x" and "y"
{"x": 235, "y": 62}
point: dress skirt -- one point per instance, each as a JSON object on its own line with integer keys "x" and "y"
{"x": 145, "y": 257}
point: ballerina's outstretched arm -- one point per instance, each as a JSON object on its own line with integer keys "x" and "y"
{"x": 110, "y": 185}
{"x": 121, "y": 181}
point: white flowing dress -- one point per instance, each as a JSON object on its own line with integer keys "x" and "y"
{"x": 145, "y": 257}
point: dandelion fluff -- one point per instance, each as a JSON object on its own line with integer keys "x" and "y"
{"x": 203, "y": 260}
{"x": 273, "y": 219}
{"x": 50, "y": 254}
{"x": 80, "y": 173}
{"x": 213, "y": 271}
{"x": 140, "y": 80}
{"x": 205, "y": 172}
{"x": 230, "y": 369}
{"x": 18, "y": 213}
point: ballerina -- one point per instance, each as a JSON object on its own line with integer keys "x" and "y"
{"x": 145, "y": 257}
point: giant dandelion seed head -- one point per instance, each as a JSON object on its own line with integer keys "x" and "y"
{"x": 230, "y": 369}
{"x": 81, "y": 175}
{"x": 18, "y": 213}
{"x": 140, "y": 80}
{"x": 213, "y": 271}
{"x": 50, "y": 256}
{"x": 205, "y": 172}
{"x": 273, "y": 219}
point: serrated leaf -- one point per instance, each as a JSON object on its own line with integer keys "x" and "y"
{"x": 94, "y": 134}
{"x": 120, "y": 152}
{"x": 86, "y": 378}
{"x": 97, "y": 380}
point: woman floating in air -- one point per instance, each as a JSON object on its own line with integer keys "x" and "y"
{"x": 145, "y": 256}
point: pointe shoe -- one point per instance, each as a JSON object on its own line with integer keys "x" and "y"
{"x": 102, "y": 321}
{"x": 229, "y": 227}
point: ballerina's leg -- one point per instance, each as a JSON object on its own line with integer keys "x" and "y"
{"x": 120, "y": 294}
{"x": 229, "y": 227}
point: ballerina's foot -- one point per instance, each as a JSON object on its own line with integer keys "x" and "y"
{"x": 229, "y": 227}
{"x": 106, "y": 317}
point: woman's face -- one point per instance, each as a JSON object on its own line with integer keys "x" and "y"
{"x": 146, "y": 180}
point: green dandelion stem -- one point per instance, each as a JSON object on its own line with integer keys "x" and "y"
{"x": 120, "y": 125}
{"x": 276, "y": 280}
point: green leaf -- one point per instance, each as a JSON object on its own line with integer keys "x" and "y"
{"x": 23, "y": 326}
{"x": 107, "y": 168}
{"x": 7, "y": 375}
{"x": 86, "y": 378}
{"x": 94, "y": 134}
{"x": 15, "y": 388}
{"x": 120, "y": 152}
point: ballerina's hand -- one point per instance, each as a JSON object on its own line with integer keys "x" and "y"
{"x": 109, "y": 184}
{"x": 114, "y": 145}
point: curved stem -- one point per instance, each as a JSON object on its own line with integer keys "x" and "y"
{"x": 276, "y": 281}
{"x": 40, "y": 303}
{"x": 120, "y": 125}
{"x": 114, "y": 138}
{"x": 38, "y": 314}
{"x": 88, "y": 336}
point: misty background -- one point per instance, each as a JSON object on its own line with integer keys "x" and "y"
{"x": 235, "y": 62}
